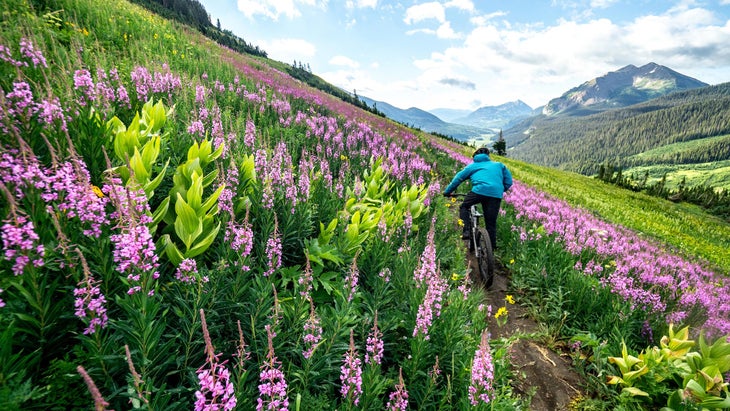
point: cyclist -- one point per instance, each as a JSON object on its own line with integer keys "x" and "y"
{"x": 489, "y": 179}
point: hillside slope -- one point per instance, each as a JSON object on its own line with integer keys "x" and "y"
{"x": 581, "y": 144}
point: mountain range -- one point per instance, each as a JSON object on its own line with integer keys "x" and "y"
{"x": 651, "y": 118}
{"x": 623, "y": 87}
{"x": 483, "y": 123}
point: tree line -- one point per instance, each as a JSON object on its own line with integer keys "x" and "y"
{"x": 580, "y": 143}
{"x": 193, "y": 14}
{"x": 715, "y": 201}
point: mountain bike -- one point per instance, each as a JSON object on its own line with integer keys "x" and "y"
{"x": 480, "y": 245}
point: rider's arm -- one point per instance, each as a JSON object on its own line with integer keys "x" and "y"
{"x": 506, "y": 178}
{"x": 458, "y": 179}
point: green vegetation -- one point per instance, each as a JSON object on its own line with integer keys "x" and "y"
{"x": 620, "y": 136}
{"x": 685, "y": 227}
{"x": 176, "y": 214}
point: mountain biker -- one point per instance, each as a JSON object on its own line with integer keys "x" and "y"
{"x": 489, "y": 179}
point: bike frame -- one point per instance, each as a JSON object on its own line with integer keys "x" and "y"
{"x": 482, "y": 251}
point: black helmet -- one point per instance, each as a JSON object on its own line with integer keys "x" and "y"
{"x": 482, "y": 150}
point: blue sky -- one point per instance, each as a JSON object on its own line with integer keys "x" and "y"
{"x": 466, "y": 54}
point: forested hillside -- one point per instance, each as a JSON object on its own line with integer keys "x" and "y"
{"x": 619, "y": 136}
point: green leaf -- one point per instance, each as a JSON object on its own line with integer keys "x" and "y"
{"x": 150, "y": 152}
{"x": 141, "y": 175}
{"x": 187, "y": 224}
{"x": 211, "y": 201}
{"x": 195, "y": 193}
{"x": 171, "y": 250}
{"x": 634, "y": 392}
{"x": 210, "y": 177}
{"x": 203, "y": 244}
{"x": 150, "y": 187}
{"x": 160, "y": 212}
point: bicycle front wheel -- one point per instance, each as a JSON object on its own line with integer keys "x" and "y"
{"x": 485, "y": 257}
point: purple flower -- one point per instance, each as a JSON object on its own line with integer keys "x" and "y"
{"x": 482, "y": 373}
{"x": 20, "y": 244}
{"x": 351, "y": 280}
{"x": 312, "y": 332}
{"x": 187, "y": 272}
{"x": 90, "y": 303}
{"x": 374, "y": 348}
{"x": 398, "y": 399}
{"x": 273, "y": 251}
{"x": 28, "y": 50}
{"x": 272, "y": 389}
{"x": 216, "y": 390}
{"x": 85, "y": 84}
{"x": 351, "y": 374}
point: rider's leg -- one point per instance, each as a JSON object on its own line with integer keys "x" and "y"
{"x": 464, "y": 214}
{"x": 490, "y": 207}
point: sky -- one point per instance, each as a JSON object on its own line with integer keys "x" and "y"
{"x": 466, "y": 54}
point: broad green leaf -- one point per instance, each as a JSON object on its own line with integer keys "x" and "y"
{"x": 211, "y": 201}
{"x": 160, "y": 212}
{"x": 187, "y": 224}
{"x": 171, "y": 250}
{"x": 195, "y": 193}
{"x": 210, "y": 177}
{"x": 634, "y": 392}
{"x": 204, "y": 243}
{"x": 141, "y": 175}
{"x": 152, "y": 185}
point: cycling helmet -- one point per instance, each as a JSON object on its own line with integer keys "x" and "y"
{"x": 482, "y": 150}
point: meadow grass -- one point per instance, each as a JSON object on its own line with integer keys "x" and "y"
{"x": 685, "y": 227}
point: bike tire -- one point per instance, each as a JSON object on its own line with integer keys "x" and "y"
{"x": 485, "y": 257}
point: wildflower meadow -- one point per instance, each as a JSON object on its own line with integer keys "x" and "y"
{"x": 185, "y": 227}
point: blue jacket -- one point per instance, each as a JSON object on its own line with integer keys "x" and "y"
{"x": 488, "y": 178}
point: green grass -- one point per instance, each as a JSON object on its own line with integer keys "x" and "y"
{"x": 685, "y": 227}
{"x": 715, "y": 174}
{"x": 677, "y": 148}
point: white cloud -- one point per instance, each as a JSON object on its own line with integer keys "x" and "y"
{"x": 446, "y": 32}
{"x": 425, "y": 11}
{"x": 285, "y": 49}
{"x": 275, "y": 8}
{"x": 537, "y": 63}
{"x": 361, "y": 4}
{"x": 344, "y": 61}
{"x": 463, "y": 5}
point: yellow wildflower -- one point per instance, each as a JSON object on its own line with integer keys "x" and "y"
{"x": 509, "y": 299}
{"x": 461, "y": 223}
{"x": 512, "y": 261}
{"x": 502, "y": 312}
{"x": 97, "y": 191}
{"x": 454, "y": 277}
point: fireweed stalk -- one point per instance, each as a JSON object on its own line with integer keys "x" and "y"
{"x": 134, "y": 250}
{"x": 374, "y": 348}
{"x": 398, "y": 399}
{"x": 482, "y": 373}
{"x": 273, "y": 250}
{"x": 272, "y": 389}
{"x": 351, "y": 374}
{"x": 312, "y": 332}
{"x": 216, "y": 390}
{"x": 90, "y": 302}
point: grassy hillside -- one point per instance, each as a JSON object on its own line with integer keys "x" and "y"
{"x": 683, "y": 226}
{"x": 185, "y": 227}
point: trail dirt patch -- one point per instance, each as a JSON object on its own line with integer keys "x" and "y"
{"x": 545, "y": 376}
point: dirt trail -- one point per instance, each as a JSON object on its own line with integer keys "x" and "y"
{"x": 540, "y": 372}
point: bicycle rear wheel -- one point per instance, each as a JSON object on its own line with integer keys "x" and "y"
{"x": 485, "y": 257}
